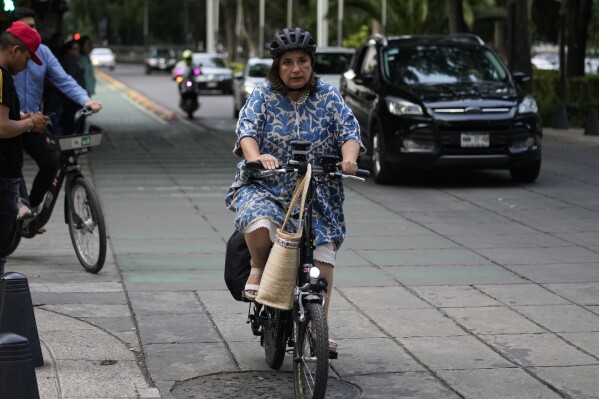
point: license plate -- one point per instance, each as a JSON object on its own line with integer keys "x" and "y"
{"x": 211, "y": 84}
{"x": 474, "y": 140}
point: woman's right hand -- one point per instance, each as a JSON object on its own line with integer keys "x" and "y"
{"x": 268, "y": 161}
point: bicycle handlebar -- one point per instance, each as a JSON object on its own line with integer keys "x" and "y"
{"x": 296, "y": 166}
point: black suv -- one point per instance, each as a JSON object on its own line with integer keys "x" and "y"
{"x": 428, "y": 101}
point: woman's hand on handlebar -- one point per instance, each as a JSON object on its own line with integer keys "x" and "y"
{"x": 348, "y": 167}
{"x": 268, "y": 161}
{"x": 94, "y": 106}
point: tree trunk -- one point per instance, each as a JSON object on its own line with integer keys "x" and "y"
{"x": 578, "y": 14}
{"x": 455, "y": 16}
{"x": 230, "y": 8}
{"x": 520, "y": 54}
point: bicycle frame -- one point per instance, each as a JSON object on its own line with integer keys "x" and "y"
{"x": 70, "y": 147}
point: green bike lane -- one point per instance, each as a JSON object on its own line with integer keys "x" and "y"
{"x": 416, "y": 312}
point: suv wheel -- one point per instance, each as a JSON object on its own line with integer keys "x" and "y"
{"x": 527, "y": 172}
{"x": 380, "y": 169}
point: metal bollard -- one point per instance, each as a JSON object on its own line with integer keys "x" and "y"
{"x": 16, "y": 312}
{"x": 592, "y": 126}
{"x": 17, "y": 374}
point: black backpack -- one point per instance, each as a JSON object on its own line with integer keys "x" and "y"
{"x": 237, "y": 265}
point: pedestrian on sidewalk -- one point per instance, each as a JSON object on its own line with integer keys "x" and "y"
{"x": 17, "y": 45}
{"x": 30, "y": 88}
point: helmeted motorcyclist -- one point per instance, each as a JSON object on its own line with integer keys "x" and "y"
{"x": 184, "y": 73}
{"x": 183, "y": 67}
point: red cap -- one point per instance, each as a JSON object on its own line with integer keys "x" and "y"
{"x": 30, "y": 38}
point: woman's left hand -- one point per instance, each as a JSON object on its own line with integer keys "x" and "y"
{"x": 348, "y": 167}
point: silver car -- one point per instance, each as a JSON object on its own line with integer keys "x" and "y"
{"x": 214, "y": 72}
{"x": 253, "y": 74}
{"x": 103, "y": 57}
{"x": 332, "y": 62}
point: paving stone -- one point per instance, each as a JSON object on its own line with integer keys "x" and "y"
{"x": 586, "y": 293}
{"x": 372, "y": 356}
{"x": 562, "y": 318}
{"x": 538, "y": 350}
{"x": 449, "y": 353}
{"x": 497, "y": 383}
{"x": 522, "y": 294}
{"x": 402, "y": 385}
{"x": 183, "y": 328}
{"x": 492, "y": 320}
{"x": 578, "y": 382}
{"x": 393, "y": 297}
{"x": 415, "y": 323}
{"x": 454, "y": 296}
{"x": 588, "y": 342}
{"x": 453, "y": 275}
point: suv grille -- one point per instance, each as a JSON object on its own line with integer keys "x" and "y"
{"x": 450, "y": 135}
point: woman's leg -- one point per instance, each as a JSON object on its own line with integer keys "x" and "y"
{"x": 326, "y": 270}
{"x": 259, "y": 243}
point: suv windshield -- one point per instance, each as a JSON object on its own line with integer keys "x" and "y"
{"x": 163, "y": 53}
{"x": 442, "y": 64}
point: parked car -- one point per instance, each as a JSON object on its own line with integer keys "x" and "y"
{"x": 548, "y": 61}
{"x": 103, "y": 57}
{"x": 332, "y": 62}
{"x": 441, "y": 101}
{"x": 160, "y": 59}
{"x": 253, "y": 74}
{"x": 215, "y": 74}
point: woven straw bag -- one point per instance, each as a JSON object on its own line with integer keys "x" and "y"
{"x": 280, "y": 273}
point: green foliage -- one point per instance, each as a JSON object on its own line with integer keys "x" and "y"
{"x": 582, "y": 94}
{"x": 356, "y": 39}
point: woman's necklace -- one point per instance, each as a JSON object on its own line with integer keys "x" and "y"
{"x": 302, "y": 99}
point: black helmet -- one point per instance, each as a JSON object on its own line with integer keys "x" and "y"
{"x": 292, "y": 39}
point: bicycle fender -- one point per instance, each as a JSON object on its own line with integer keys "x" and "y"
{"x": 313, "y": 298}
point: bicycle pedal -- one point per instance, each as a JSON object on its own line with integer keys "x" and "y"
{"x": 332, "y": 355}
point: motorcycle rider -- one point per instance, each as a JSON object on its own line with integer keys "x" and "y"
{"x": 184, "y": 66}
{"x": 184, "y": 73}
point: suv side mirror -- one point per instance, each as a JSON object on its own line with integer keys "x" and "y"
{"x": 520, "y": 77}
{"x": 364, "y": 80}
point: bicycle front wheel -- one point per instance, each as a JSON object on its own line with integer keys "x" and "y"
{"x": 311, "y": 354}
{"x": 86, "y": 225}
{"x": 274, "y": 337}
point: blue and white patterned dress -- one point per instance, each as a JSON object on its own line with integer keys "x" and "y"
{"x": 274, "y": 120}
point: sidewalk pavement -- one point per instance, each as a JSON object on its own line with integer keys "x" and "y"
{"x": 87, "y": 335}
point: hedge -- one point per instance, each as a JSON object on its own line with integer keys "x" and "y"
{"x": 582, "y": 94}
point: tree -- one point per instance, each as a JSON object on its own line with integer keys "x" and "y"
{"x": 455, "y": 15}
{"x": 578, "y": 16}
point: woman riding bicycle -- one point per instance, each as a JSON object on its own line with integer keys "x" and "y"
{"x": 293, "y": 104}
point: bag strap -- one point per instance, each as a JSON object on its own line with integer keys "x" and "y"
{"x": 301, "y": 189}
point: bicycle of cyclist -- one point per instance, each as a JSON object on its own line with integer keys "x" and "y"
{"x": 304, "y": 328}
{"x": 83, "y": 213}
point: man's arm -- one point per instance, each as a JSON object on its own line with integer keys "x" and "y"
{"x": 64, "y": 82}
{"x": 10, "y": 128}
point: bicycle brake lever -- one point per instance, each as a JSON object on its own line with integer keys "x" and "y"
{"x": 353, "y": 177}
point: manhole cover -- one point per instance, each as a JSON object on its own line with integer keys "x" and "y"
{"x": 254, "y": 384}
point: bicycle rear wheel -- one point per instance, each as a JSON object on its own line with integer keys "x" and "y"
{"x": 86, "y": 225}
{"x": 274, "y": 337}
{"x": 311, "y": 354}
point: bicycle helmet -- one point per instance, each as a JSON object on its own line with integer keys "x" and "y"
{"x": 292, "y": 39}
{"x": 187, "y": 54}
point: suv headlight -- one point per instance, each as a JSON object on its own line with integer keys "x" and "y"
{"x": 399, "y": 106}
{"x": 528, "y": 106}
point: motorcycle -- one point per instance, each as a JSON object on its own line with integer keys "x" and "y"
{"x": 188, "y": 90}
